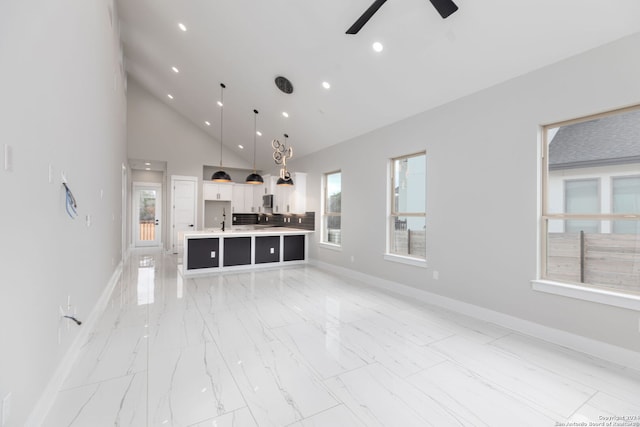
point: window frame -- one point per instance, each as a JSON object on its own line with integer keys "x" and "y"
{"x": 325, "y": 210}
{"x": 392, "y": 213}
{"x": 586, "y": 291}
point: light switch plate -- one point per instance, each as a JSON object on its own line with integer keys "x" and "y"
{"x": 6, "y": 409}
{"x": 8, "y": 157}
{"x": 213, "y": 254}
{"x": 271, "y": 251}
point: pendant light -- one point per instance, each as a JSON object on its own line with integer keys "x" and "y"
{"x": 221, "y": 175}
{"x": 285, "y": 182}
{"x": 281, "y": 154}
{"x": 254, "y": 178}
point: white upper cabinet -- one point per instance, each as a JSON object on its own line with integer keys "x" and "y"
{"x": 243, "y": 200}
{"x": 288, "y": 199}
{"x": 298, "y": 194}
{"x": 258, "y": 192}
{"x": 285, "y": 199}
{"x": 217, "y": 191}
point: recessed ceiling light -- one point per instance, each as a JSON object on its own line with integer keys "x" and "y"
{"x": 147, "y": 164}
{"x": 258, "y": 133}
{"x": 175, "y": 69}
{"x": 240, "y": 146}
{"x": 182, "y": 26}
{"x": 326, "y": 85}
{"x": 377, "y": 46}
{"x": 207, "y": 123}
{"x": 170, "y": 96}
{"x": 284, "y": 113}
{"x": 219, "y": 104}
{"x": 147, "y": 169}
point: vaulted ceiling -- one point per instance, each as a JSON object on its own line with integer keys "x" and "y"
{"x": 426, "y": 61}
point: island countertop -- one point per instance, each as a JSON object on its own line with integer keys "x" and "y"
{"x": 239, "y": 232}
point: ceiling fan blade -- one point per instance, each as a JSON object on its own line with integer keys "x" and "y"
{"x": 365, "y": 17}
{"x": 444, "y": 7}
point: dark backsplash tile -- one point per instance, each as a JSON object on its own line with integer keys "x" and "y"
{"x": 304, "y": 221}
{"x": 245, "y": 219}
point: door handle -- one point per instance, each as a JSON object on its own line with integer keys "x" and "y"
{"x": 190, "y": 225}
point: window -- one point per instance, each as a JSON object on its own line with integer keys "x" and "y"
{"x": 591, "y": 202}
{"x": 626, "y": 199}
{"x": 581, "y": 196}
{"x": 407, "y": 219}
{"x": 331, "y": 215}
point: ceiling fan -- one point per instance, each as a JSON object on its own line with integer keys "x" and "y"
{"x": 444, "y": 8}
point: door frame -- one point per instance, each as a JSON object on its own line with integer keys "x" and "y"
{"x": 134, "y": 214}
{"x": 173, "y": 178}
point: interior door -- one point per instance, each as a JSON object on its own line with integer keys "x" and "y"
{"x": 183, "y": 210}
{"x": 147, "y": 214}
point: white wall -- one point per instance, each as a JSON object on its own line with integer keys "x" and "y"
{"x": 62, "y": 105}
{"x": 156, "y": 132}
{"x": 482, "y": 191}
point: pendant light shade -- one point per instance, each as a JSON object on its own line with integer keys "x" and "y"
{"x": 254, "y": 178}
{"x": 221, "y": 175}
{"x": 287, "y": 182}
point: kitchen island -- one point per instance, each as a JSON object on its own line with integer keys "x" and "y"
{"x": 216, "y": 251}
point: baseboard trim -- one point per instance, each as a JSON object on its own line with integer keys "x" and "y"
{"x": 49, "y": 394}
{"x": 601, "y": 350}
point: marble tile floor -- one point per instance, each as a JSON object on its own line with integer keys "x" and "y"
{"x": 303, "y": 347}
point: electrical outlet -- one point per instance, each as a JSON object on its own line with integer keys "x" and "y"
{"x": 353, "y": 259}
{"x": 272, "y": 250}
{"x": 50, "y": 173}
{"x": 88, "y": 220}
{"x": 436, "y": 275}
{"x": 213, "y": 254}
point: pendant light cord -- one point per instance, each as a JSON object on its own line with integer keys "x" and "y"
{"x": 222, "y": 86}
{"x": 255, "y": 129}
